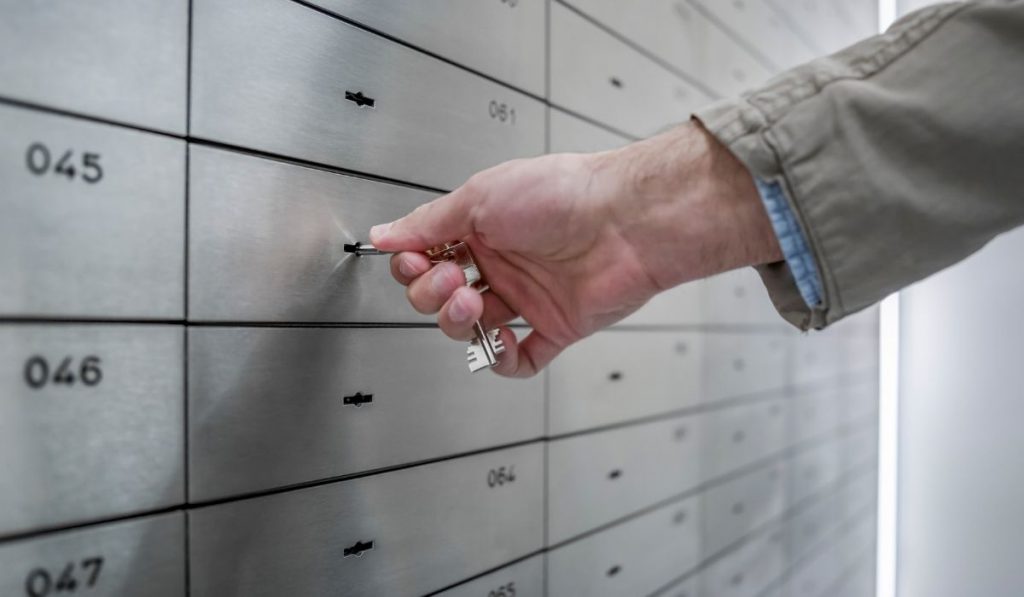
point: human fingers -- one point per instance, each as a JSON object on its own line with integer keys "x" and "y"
{"x": 525, "y": 358}
{"x": 409, "y": 265}
{"x": 431, "y": 290}
{"x": 442, "y": 220}
{"x": 458, "y": 316}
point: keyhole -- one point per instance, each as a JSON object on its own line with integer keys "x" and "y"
{"x": 616, "y": 82}
{"x": 614, "y": 570}
{"x": 615, "y": 375}
{"x": 615, "y": 474}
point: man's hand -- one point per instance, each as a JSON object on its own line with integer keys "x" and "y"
{"x": 575, "y": 242}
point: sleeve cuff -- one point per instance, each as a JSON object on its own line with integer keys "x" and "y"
{"x": 793, "y": 243}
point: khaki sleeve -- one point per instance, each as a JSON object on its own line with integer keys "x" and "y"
{"x": 899, "y": 155}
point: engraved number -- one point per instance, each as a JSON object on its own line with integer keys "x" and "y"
{"x": 501, "y": 112}
{"x": 503, "y": 475}
{"x": 37, "y": 372}
{"x": 40, "y": 161}
{"x": 505, "y": 590}
{"x": 41, "y": 582}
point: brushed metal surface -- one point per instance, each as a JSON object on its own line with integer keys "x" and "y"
{"x": 682, "y": 305}
{"x": 740, "y": 364}
{"x": 742, "y": 505}
{"x": 124, "y": 61}
{"x": 601, "y": 77}
{"x": 685, "y": 588}
{"x": 615, "y": 376}
{"x": 738, "y": 436}
{"x": 635, "y": 557}
{"x": 431, "y": 526}
{"x": 571, "y": 134}
{"x": 266, "y": 242}
{"x": 596, "y": 478}
{"x": 69, "y": 247}
{"x": 739, "y": 297}
{"x": 761, "y": 26}
{"x": 273, "y": 75}
{"x": 814, "y": 469}
{"x": 502, "y": 39}
{"x": 816, "y": 413}
{"x": 522, "y": 579}
{"x": 145, "y": 556}
{"x": 749, "y": 569}
{"x": 73, "y": 452}
{"x": 290, "y": 384}
{"x": 675, "y": 32}
{"x": 814, "y": 576}
{"x": 859, "y": 448}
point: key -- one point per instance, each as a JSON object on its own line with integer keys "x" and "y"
{"x": 483, "y": 350}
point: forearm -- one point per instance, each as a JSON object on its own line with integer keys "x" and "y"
{"x": 687, "y": 205}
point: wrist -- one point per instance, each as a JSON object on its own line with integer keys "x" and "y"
{"x": 687, "y": 205}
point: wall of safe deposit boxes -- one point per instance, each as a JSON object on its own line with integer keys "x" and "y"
{"x": 183, "y": 338}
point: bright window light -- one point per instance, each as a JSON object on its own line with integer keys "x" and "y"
{"x": 888, "y": 446}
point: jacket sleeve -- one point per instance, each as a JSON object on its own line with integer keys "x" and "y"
{"x": 899, "y": 155}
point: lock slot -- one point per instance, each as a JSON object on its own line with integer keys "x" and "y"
{"x": 358, "y": 399}
{"x": 358, "y": 549}
{"x": 363, "y": 101}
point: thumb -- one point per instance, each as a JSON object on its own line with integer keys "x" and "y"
{"x": 444, "y": 219}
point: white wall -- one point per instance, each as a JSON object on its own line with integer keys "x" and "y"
{"x": 961, "y": 529}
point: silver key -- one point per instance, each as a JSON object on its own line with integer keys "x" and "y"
{"x": 483, "y": 350}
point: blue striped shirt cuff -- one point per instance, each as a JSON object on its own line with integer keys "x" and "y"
{"x": 794, "y": 245}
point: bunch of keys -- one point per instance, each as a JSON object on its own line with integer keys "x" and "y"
{"x": 484, "y": 349}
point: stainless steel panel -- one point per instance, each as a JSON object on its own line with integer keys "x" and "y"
{"x": 682, "y": 305}
{"x": 742, "y": 505}
{"x": 91, "y": 422}
{"x": 308, "y": 388}
{"x": 523, "y": 579}
{"x": 596, "y": 478}
{"x": 680, "y": 35}
{"x": 859, "y": 448}
{"x": 268, "y": 245}
{"x": 597, "y": 75}
{"x": 739, "y": 364}
{"x": 748, "y": 570}
{"x": 502, "y": 39}
{"x": 408, "y": 532}
{"x": 273, "y": 75}
{"x": 138, "y": 557}
{"x": 818, "y": 358}
{"x": 859, "y": 401}
{"x": 616, "y": 376}
{"x": 570, "y": 134}
{"x": 92, "y": 218}
{"x": 761, "y": 26}
{"x": 814, "y": 576}
{"x": 738, "y": 436}
{"x": 633, "y": 558}
{"x": 814, "y": 469}
{"x": 816, "y": 413}
{"x": 816, "y": 520}
{"x": 685, "y": 588}
{"x": 125, "y": 61}
{"x": 739, "y": 297}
